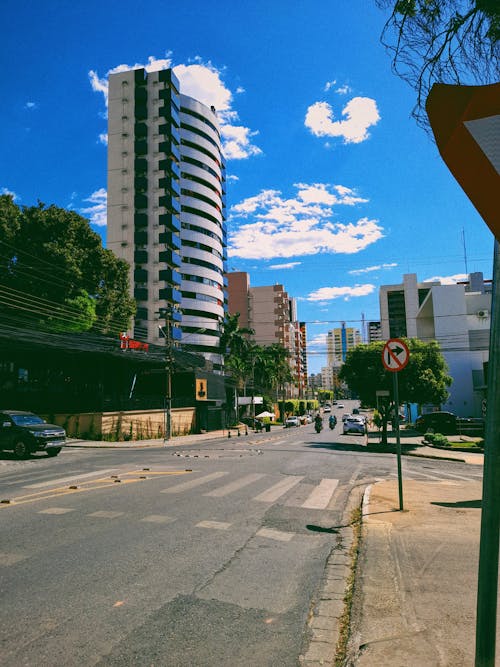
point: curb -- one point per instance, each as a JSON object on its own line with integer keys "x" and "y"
{"x": 436, "y": 457}
{"x": 329, "y": 607}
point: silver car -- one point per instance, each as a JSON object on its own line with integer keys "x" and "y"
{"x": 354, "y": 425}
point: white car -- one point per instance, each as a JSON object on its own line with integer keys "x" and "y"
{"x": 327, "y": 408}
{"x": 292, "y": 421}
{"x": 354, "y": 425}
{"x": 340, "y": 405}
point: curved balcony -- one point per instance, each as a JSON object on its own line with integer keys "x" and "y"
{"x": 202, "y": 158}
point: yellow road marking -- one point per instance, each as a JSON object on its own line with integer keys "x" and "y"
{"x": 147, "y": 473}
{"x": 88, "y": 485}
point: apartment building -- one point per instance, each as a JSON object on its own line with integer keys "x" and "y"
{"x": 374, "y": 331}
{"x": 458, "y": 318}
{"x": 272, "y": 314}
{"x": 166, "y": 209}
{"x": 339, "y": 341}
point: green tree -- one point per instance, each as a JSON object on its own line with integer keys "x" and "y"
{"x": 272, "y": 369}
{"x": 423, "y": 380}
{"x": 234, "y": 339}
{"x": 446, "y": 41}
{"x": 55, "y": 273}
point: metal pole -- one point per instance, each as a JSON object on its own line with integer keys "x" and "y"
{"x": 168, "y": 368}
{"x": 487, "y": 588}
{"x": 398, "y": 441}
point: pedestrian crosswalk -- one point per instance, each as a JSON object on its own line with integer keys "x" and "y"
{"x": 291, "y": 490}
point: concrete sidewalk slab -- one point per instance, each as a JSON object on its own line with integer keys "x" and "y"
{"x": 415, "y": 599}
{"x": 177, "y": 441}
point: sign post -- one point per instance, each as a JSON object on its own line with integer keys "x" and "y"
{"x": 465, "y": 121}
{"x": 395, "y": 356}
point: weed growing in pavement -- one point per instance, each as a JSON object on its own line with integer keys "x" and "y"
{"x": 345, "y": 619}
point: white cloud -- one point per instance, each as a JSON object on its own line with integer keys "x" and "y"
{"x": 103, "y": 138}
{"x": 203, "y": 81}
{"x": 6, "y": 191}
{"x": 301, "y": 225}
{"x": 331, "y": 293}
{"x": 240, "y": 90}
{"x": 448, "y": 280}
{"x": 360, "y": 113}
{"x": 97, "y": 211}
{"x": 376, "y": 267}
{"x": 288, "y": 265}
{"x": 31, "y": 105}
{"x": 232, "y": 177}
{"x": 343, "y": 90}
{"x": 329, "y": 85}
{"x": 318, "y": 341}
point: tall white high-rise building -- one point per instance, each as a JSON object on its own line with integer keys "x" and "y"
{"x": 166, "y": 209}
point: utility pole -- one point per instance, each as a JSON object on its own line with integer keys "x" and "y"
{"x": 487, "y": 589}
{"x": 167, "y": 313}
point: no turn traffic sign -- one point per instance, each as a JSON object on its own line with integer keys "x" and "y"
{"x": 395, "y": 355}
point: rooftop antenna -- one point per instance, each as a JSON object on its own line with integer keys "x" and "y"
{"x": 465, "y": 251}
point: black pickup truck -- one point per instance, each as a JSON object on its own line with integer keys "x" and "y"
{"x": 24, "y": 433}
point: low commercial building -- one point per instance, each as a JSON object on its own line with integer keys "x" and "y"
{"x": 458, "y": 318}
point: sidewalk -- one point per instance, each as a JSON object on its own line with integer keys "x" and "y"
{"x": 177, "y": 441}
{"x": 415, "y": 600}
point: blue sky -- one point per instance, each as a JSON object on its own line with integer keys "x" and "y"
{"x": 332, "y": 188}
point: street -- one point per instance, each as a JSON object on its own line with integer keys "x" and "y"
{"x": 193, "y": 555}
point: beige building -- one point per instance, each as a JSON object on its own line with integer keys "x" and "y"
{"x": 339, "y": 341}
{"x": 272, "y": 314}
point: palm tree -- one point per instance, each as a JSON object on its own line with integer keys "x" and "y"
{"x": 234, "y": 346}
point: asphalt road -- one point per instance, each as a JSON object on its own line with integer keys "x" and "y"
{"x": 206, "y": 555}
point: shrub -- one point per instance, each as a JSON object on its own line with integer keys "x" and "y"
{"x": 437, "y": 439}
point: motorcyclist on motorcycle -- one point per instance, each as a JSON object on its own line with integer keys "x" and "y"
{"x": 318, "y": 423}
{"x": 332, "y": 421}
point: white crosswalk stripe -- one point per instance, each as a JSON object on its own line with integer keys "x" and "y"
{"x": 158, "y": 518}
{"x": 56, "y": 510}
{"x": 320, "y": 497}
{"x": 271, "y": 534}
{"x": 193, "y": 483}
{"x": 218, "y": 525}
{"x": 277, "y": 490}
{"x": 73, "y": 478}
{"x": 234, "y": 486}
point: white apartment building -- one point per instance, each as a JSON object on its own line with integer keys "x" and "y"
{"x": 458, "y": 318}
{"x": 166, "y": 209}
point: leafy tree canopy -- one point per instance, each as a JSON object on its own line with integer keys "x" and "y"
{"x": 445, "y": 41}
{"x": 265, "y": 368}
{"x": 54, "y": 272}
{"x": 423, "y": 380}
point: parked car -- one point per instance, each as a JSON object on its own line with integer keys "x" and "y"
{"x": 24, "y": 433}
{"x": 292, "y": 421}
{"x": 439, "y": 422}
{"x": 354, "y": 425}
